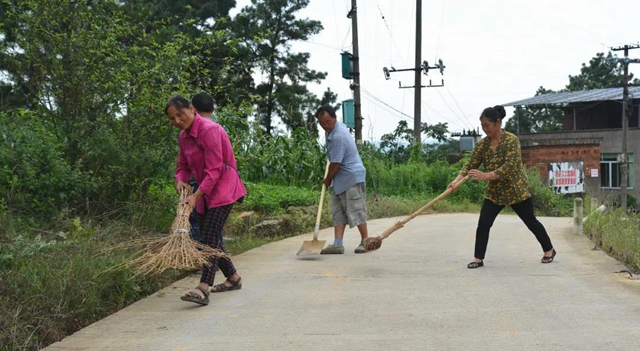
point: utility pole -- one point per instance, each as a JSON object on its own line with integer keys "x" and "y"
{"x": 353, "y": 14}
{"x": 625, "y": 122}
{"x": 417, "y": 119}
{"x": 417, "y": 125}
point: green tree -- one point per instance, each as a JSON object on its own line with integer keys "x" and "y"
{"x": 95, "y": 92}
{"x": 398, "y": 145}
{"x": 602, "y": 72}
{"x": 268, "y": 27}
{"x": 229, "y": 65}
{"x": 436, "y": 131}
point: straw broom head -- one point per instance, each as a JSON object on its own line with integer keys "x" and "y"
{"x": 175, "y": 251}
{"x": 372, "y": 244}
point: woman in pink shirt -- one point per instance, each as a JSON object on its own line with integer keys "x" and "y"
{"x": 206, "y": 153}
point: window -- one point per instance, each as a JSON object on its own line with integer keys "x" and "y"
{"x": 610, "y": 171}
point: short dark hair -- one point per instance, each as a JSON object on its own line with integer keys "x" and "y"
{"x": 494, "y": 113}
{"x": 177, "y": 101}
{"x": 203, "y": 102}
{"x": 328, "y": 109}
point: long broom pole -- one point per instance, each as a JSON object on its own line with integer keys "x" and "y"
{"x": 374, "y": 243}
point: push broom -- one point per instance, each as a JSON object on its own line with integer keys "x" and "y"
{"x": 313, "y": 247}
{"x": 374, "y": 243}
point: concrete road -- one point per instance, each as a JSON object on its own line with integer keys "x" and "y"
{"x": 415, "y": 293}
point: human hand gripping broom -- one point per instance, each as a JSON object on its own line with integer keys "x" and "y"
{"x": 374, "y": 243}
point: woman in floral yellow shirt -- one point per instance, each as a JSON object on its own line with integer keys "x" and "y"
{"x": 500, "y": 154}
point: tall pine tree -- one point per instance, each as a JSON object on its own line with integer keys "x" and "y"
{"x": 268, "y": 28}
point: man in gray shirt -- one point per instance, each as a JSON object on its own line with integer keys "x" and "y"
{"x": 347, "y": 178}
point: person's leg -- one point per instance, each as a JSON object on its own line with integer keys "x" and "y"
{"x": 194, "y": 219}
{"x": 357, "y": 212}
{"x": 488, "y": 215}
{"x": 524, "y": 210}
{"x": 195, "y": 228}
{"x": 204, "y": 221}
{"x": 212, "y": 225}
{"x": 339, "y": 217}
{"x": 364, "y": 232}
{"x": 338, "y": 205}
{"x": 338, "y": 232}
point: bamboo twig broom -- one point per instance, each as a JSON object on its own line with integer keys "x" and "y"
{"x": 175, "y": 251}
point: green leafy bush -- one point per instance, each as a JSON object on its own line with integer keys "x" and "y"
{"x": 545, "y": 201}
{"x": 274, "y": 198}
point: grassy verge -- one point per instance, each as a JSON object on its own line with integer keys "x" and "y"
{"x": 54, "y": 284}
{"x": 616, "y": 236}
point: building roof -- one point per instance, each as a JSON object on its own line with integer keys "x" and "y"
{"x": 577, "y": 96}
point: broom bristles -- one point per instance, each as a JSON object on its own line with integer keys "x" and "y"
{"x": 372, "y": 244}
{"x": 175, "y": 251}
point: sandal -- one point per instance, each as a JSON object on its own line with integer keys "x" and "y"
{"x": 192, "y": 296}
{"x": 474, "y": 265}
{"x": 235, "y": 285}
{"x": 548, "y": 259}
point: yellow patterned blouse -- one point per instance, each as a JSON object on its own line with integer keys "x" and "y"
{"x": 512, "y": 186}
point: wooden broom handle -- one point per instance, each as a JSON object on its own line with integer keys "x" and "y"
{"x": 324, "y": 188}
{"x": 401, "y": 223}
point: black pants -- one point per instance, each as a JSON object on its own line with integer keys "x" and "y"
{"x": 523, "y": 209}
{"x": 211, "y": 225}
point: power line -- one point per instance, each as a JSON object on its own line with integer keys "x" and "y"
{"x": 386, "y": 109}
{"x": 425, "y": 112}
{"x": 346, "y": 36}
{"x": 335, "y": 17}
{"x": 398, "y": 112}
{"x": 382, "y": 15}
{"x": 454, "y": 112}
{"x": 390, "y": 34}
{"x": 440, "y": 31}
{"x": 330, "y": 47}
{"x": 460, "y": 108}
{"x": 439, "y": 114}
{"x": 384, "y": 103}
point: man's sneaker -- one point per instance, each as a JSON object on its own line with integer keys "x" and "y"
{"x": 360, "y": 248}
{"x": 332, "y": 250}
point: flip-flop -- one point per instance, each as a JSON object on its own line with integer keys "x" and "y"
{"x": 197, "y": 298}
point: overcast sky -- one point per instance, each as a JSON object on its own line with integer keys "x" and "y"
{"x": 495, "y": 52}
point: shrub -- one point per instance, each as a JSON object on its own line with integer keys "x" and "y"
{"x": 545, "y": 201}
{"x": 274, "y": 198}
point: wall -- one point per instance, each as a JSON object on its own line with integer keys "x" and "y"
{"x": 586, "y": 146}
{"x": 539, "y": 152}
